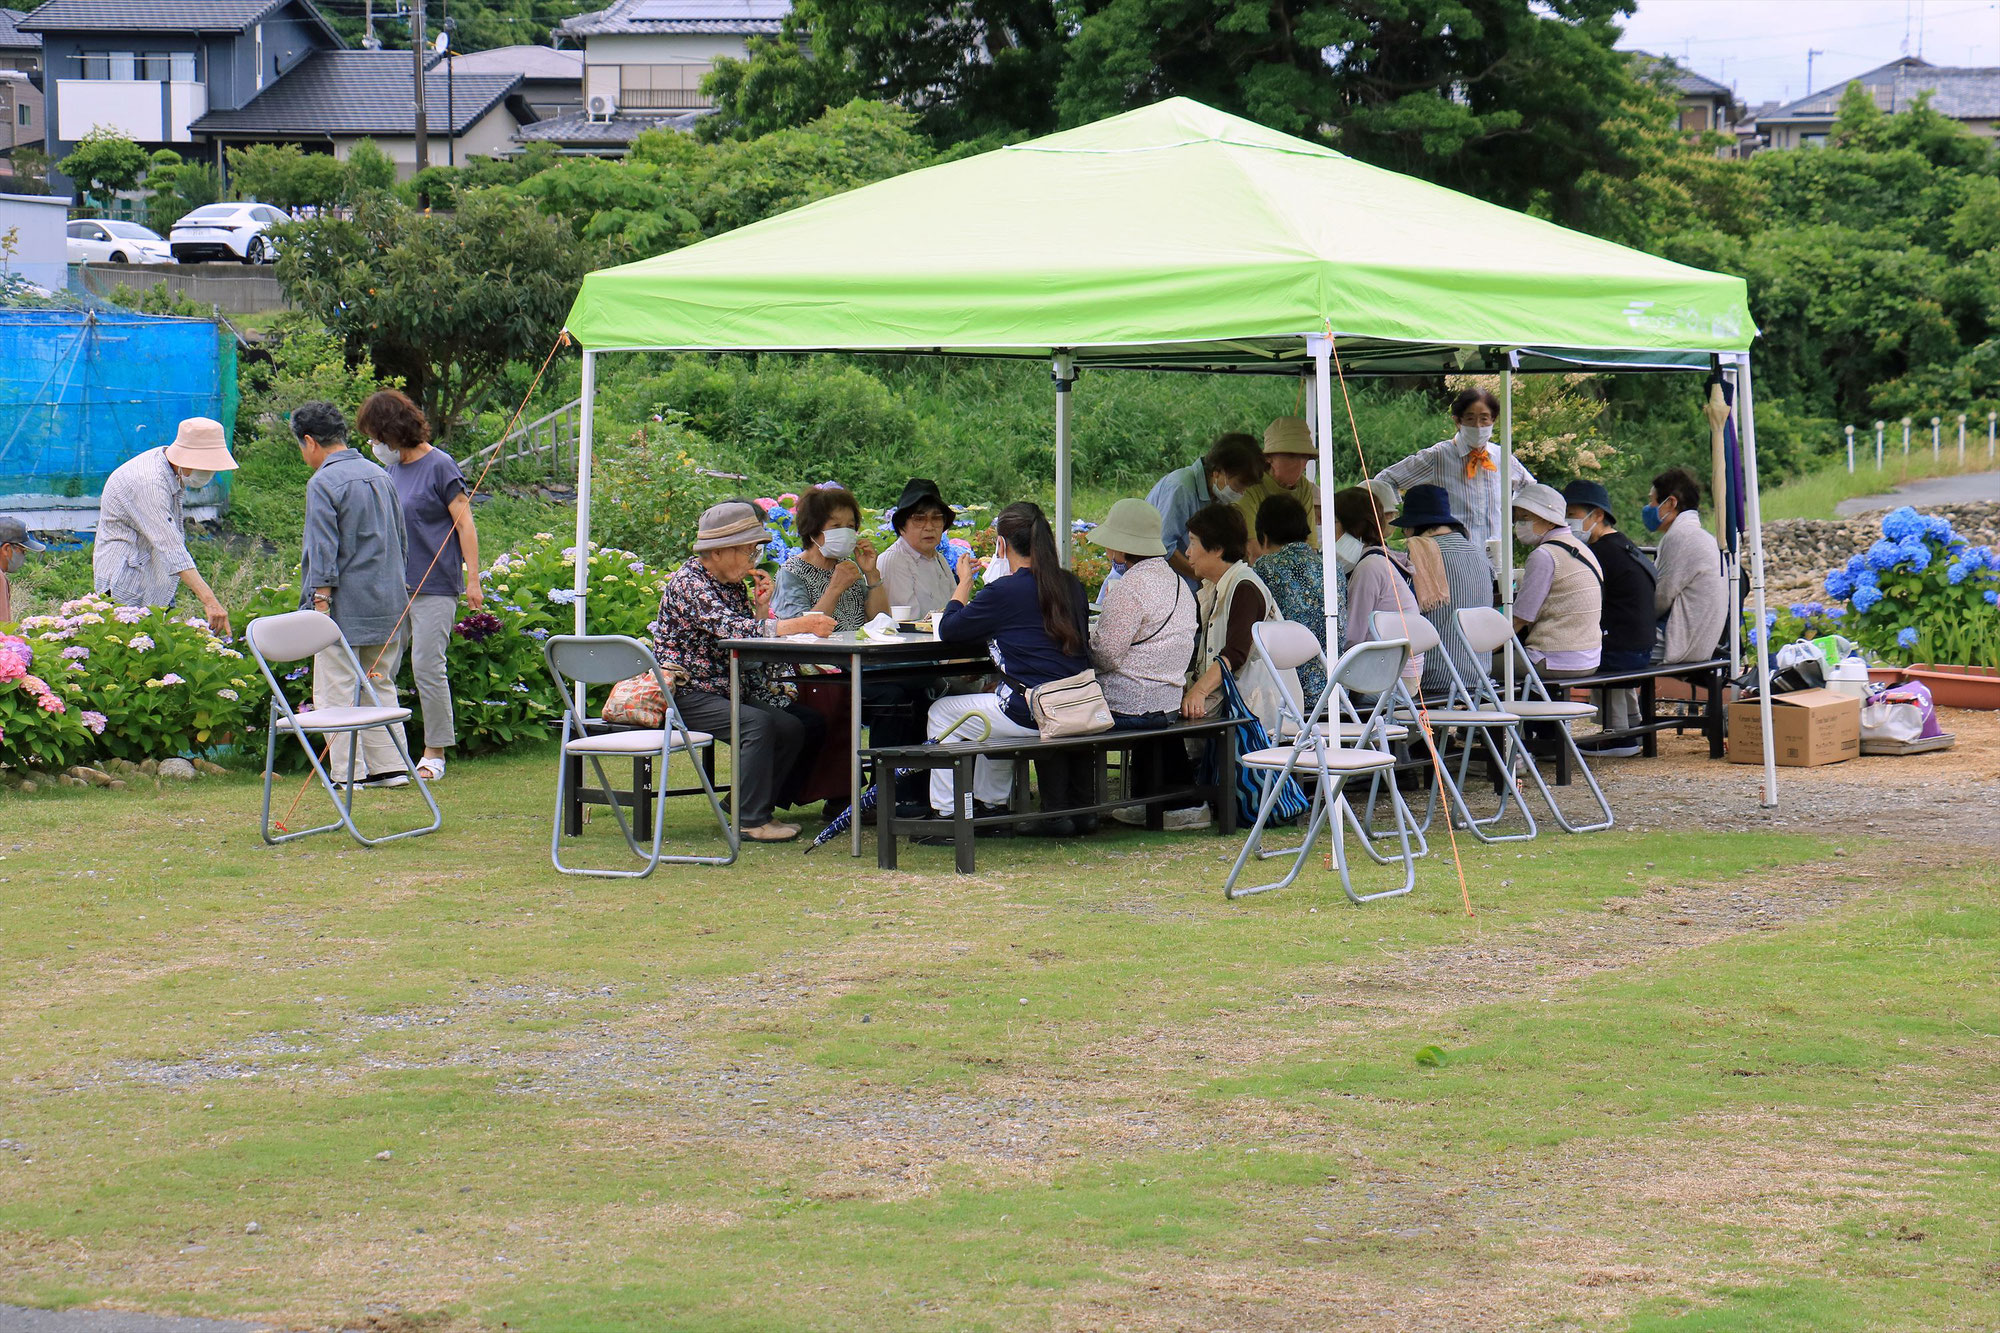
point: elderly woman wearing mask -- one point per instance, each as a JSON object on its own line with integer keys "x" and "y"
{"x": 705, "y": 602}
{"x": 1467, "y": 469}
{"x": 141, "y": 556}
{"x": 836, "y": 572}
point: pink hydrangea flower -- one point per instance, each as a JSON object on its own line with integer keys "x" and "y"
{"x": 95, "y": 721}
{"x": 34, "y": 684}
{"x": 172, "y": 678}
{"x": 141, "y": 643}
{"x": 76, "y": 652}
{"x": 51, "y": 704}
{"x": 129, "y": 615}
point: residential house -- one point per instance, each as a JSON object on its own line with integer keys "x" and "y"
{"x": 1968, "y": 95}
{"x": 20, "y": 123}
{"x": 1703, "y": 105}
{"x": 18, "y": 50}
{"x": 643, "y": 63}
{"x": 334, "y": 99}
{"x": 551, "y": 80}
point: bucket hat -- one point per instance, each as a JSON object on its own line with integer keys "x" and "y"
{"x": 1133, "y": 527}
{"x": 731, "y": 523}
{"x": 13, "y": 532}
{"x": 1427, "y": 506}
{"x": 1544, "y": 502}
{"x": 201, "y": 445}
{"x": 1591, "y": 495}
{"x": 1289, "y": 435}
{"x": 915, "y": 491}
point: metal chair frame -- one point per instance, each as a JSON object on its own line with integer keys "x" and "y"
{"x": 605, "y": 660}
{"x": 312, "y": 632}
{"x": 1533, "y": 704}
{"x": 1371, "y": 668}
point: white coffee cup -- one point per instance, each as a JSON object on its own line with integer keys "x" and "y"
{"x": 902, "y": 613}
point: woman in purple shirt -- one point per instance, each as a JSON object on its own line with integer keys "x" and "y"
{"x": 443, "y": 562}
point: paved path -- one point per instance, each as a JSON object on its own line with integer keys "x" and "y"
{"x": 1971, "y": 488}
{"x": 15, "y": 1319}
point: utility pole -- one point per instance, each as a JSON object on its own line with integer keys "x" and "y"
{"x": 369, "y": 41}
{"x": 1810, "y": 53}
{"x": 417, "y": 54}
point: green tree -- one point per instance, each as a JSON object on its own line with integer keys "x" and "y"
{"x": 281, "y": 174}
{"x": 443, "y": 301}
{"x": 105, "y": 163}
{"x": 779, "y": 85}
{"x": 177, "y": 187}
{"x": 369, "y": 168}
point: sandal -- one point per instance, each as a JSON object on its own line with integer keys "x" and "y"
{"x": 772, "y": 832}
{"x": 431, "y": 769}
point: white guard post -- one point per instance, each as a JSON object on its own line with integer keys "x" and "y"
{"x": 583, "y": 442}
{"x": 1320, "y": 347}
{"x": 1063, "y": 367}
{"x": 1753, "y": 516}
{"x": 1506, "y": 523}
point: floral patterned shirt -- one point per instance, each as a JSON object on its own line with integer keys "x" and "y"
{"x": 1297, "y": 580}
{"x": 697, "y": 612}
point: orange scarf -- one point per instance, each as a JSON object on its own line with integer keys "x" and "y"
{"x": 1476, "y": 460}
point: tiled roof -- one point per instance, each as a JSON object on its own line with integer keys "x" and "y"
{"x": 12, "y": 36}
{"x": 1683, "y": 80}
{"x": 1960, "y": 92}
{"x": 530, "y": 62}
{"x": 150, "y": 15}
{"x": 580, "y": 130}
{"x": 722, "y": 17}
{"x": 361, "y": 92}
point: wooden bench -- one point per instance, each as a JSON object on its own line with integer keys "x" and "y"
{"x": 1706, "y": 678}
{"x": 960, "y": 757}
{"x": 583, "y": 790}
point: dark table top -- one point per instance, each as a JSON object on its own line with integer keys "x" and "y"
{"x": 836, "y": 648}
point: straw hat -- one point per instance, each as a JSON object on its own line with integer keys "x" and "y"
{"x": 201, "y": 445}
{"x": 1289, "y": 435}
{"x": 1544, "y": 502}
{"x": 731, "y": 523}
{"x": 1133, "y": 527}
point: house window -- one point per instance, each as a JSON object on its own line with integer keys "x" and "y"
{"x": 662, "y": 87}
{"x": 110, "y": 65}
{"x": 181, "y": 67}
{"x": 1694, "y": 119}
{"x": 27, "y": 114}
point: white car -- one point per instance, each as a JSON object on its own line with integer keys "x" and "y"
{"x": 95, "y": 242}
{"x": 228, "y": 231}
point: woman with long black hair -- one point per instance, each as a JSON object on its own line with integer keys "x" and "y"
{"x": 1034, "y": 618}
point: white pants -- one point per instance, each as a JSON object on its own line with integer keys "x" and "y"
{"x": 992, "y": 779}
{"x": 336, "y": 686}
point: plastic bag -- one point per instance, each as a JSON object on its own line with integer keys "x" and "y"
{"x": 1899, "y": 713}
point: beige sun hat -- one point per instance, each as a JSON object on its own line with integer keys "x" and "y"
{"x": 1289, "y": 435}
{"x": 1387, "y": 503}
{"x": 731, "y": 523}
{"x": 1544, "y": 502}
{"x": 201, "y": 445}
{"x": 1132, "y": 527}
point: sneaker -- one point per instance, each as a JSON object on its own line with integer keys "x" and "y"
{"x": 1193, "y": 817}
{"x": 394, "y": 778}
{"x": 1609, "y": 747}
{"x": 913, "y": 809}
{"x": 1056, "y": 826}
{"x": 980, "y": 808}
{"x": 1135, "y": 815}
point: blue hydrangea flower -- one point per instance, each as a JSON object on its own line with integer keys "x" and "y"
{"x": 1916, "y": 555}
{"x": 1904, "y": 524}
{"x": 1955, "y": 572}
{"x": 1866, "y": 597}
{"x": 1884, "y": 555}
{"x": 564, "y": 596}
{"x": 1939, "y": 529}
{"x": 1906, "y": 637}
{"x": 1840, "y": 584}
{"x": 1836, "y": 613}
{"x": 1992, "y": 597}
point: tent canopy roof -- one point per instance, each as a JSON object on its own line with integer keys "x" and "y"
{"x": 1173, "y": 237}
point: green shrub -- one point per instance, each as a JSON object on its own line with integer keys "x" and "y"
{"x": 41, "y": 722}
{"x": 651, "y": 489}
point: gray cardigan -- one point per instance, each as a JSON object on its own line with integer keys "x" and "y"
{"x": 357, "y": 545}
{"x": 1691, "y": 596}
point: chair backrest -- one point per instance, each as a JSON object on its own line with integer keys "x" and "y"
{"x": 1484, "y": 629}
{"x": 291, "y": 636}
{"x": 1423, "y": 635}
{"x": 596, "y": 659}
{"x": 1285, "y": 644}
{"x": 1371, "y": 668}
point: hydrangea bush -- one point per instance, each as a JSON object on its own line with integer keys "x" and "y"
{"x": 1921, "y": 594}
{"x": 38, "y": 726}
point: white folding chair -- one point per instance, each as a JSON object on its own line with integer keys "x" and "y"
{"x": 292, "y": 637}
{"x": 1369, "y": 668}
{"x": 579, "y": 660}
{"x": 1462, "y": 713}
{"x": 1488, "y": 630}
{"x": 1285, "y": 648}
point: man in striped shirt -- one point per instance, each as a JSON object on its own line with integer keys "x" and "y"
{"x": 1468, "y": 469}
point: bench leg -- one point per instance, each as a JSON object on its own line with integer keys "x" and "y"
{"x": 573, "y": 805}
{"x": 885, "y": 834}
{"x": 1225, "y": 796}
{"x": 1649, "y": 709}
{"x": 1713, "y": 722}
{"x": 642, "y": 797}
{"x": 961, "y": 814}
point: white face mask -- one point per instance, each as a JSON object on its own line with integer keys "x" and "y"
{"x": 386, "y": 456}
{"x": 1525, "y": 533}
{"x": 1474, "y": 437}
{"x": 1348, "y": 550}
{"x": 1581, "y": 527}
{"x": 838, "y": 543}
{"x": 197, "y": 480}
{"x": 1228, "y": 495}
{"x": 998, "y": 566}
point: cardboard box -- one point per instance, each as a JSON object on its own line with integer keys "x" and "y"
{"x": 1808, "y": 728}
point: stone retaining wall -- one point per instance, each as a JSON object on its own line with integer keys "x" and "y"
{"x": 1799, "y": 551}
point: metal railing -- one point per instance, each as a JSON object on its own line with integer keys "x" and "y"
{"x": 548, "y": 439}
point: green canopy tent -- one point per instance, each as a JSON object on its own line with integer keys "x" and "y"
{"x": 1177, "y": 237}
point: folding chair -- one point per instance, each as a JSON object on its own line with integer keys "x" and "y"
{"x": 1464, "y": 714}
{"x": 605, "y": 660}
{"x": 297, "y": 635}
{"x": 1282, "y": 649}
{"x": 1486, "y": 630}
{"x": 1370, "y": 668}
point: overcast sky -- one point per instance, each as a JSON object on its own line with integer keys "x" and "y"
{"x": 1759, "y": 47}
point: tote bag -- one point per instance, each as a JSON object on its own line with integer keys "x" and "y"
{"x": 1251, "y": 784}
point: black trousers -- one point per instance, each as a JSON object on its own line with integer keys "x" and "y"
{"x": 779, "y": 745}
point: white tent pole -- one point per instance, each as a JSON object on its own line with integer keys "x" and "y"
{"x": 1320, "y": 348}
{"x": 1064, "y": 370}
{"x": 1506, "y": 522}
{"x": 1312, "y": 420}
{"x": 583, "y": 443}
{"x": 1753, "y": 517}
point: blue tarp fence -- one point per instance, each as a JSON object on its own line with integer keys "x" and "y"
{"x": 81, "y": 391}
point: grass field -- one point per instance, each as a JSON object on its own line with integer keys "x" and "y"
{"x": 1728, "y": 1081}
{"x": 1814, "y": 494}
